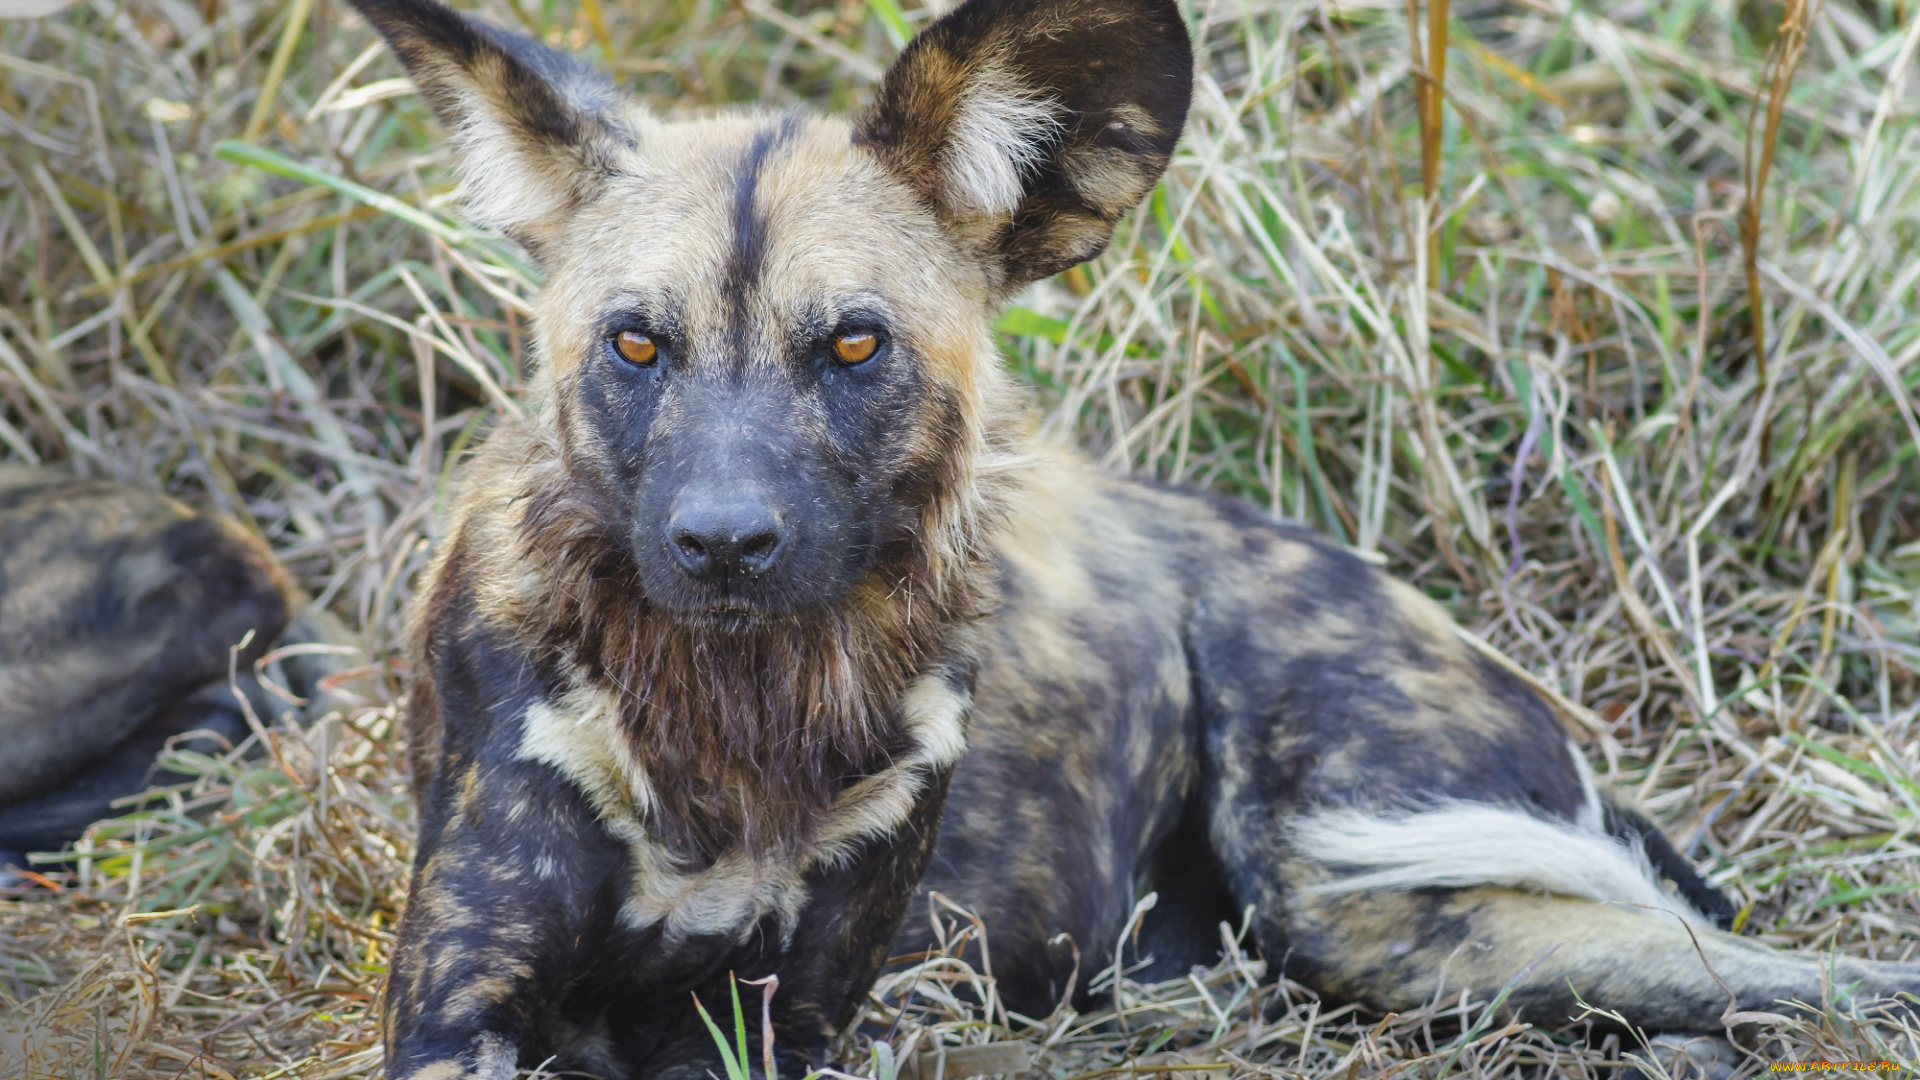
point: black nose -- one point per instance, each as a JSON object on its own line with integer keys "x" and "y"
{"x": 724, "y": 534}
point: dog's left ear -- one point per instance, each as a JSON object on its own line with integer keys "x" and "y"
{"x": 1030, "y": 126}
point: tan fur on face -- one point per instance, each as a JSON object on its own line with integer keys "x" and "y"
{"x": 840, "y": 228}
{"x": 838, "y": 225}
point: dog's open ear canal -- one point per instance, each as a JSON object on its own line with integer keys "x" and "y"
{"x": 534, "y": 131}
{"x": 1032, "y": 125}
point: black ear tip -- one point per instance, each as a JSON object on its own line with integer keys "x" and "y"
{"x": 403, "y": 22}
{"x": 383, "y": 13}
{"x": 405, "y": 10}
{"x": 978, "y": 14}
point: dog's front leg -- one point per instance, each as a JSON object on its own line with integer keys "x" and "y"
{"x": 508, "y": 897}
{"x": 855, "y": 907}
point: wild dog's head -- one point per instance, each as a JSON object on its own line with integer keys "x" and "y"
{"x": 766, "y": 337}
{"x": 772, "y": 415}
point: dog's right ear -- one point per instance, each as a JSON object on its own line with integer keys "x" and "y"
{"x": 535, "y": 132}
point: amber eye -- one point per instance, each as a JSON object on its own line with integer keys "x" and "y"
{"x": 855, "y": 348}
{"x": 635, "y": 347}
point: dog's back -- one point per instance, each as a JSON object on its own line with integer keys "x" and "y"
{"x": 1179, "y": 694}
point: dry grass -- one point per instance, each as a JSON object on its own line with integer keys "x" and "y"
{"x": 1537, "y": 393}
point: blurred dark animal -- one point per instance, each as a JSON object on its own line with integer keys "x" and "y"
{"x": 120, "y": 610}
{"x": 777, "y": 570}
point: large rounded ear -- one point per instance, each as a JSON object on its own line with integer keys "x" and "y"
{"x": 535, "y": 132}
{"x": 1031, "y": 125}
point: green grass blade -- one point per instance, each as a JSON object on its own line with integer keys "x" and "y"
{"x": 893, "y": 20}
{"x": 246, "y": 154}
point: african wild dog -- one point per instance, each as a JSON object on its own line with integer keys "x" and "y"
{"x": 131, "y": 624}
{"x": 119, "y": 609}
{"x": 711, "y": 634}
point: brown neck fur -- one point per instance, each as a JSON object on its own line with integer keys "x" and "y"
{"x": 746, "y": 736}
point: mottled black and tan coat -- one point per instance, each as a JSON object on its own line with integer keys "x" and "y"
{"x": 122, "y": 613}
{"x": 775, "y": 613}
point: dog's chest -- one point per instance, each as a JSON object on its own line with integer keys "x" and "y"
{"x": 577, "y": 733}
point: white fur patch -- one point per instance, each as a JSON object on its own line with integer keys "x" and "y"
{"x": 501, "y": 186}
{"x": 999, "y": 137}
{"x": 935, "y": 715}
{"x": 1464, "y": 844}
{"x": 936, "y": 718}
{"x": 579, "y": 735}
{"x": 728, "y": 898}
{"x": 1593, "y": 812}
{"x": 494, "y": 1058}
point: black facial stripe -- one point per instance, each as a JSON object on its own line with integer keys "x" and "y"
{"x": 749, "y": 227}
